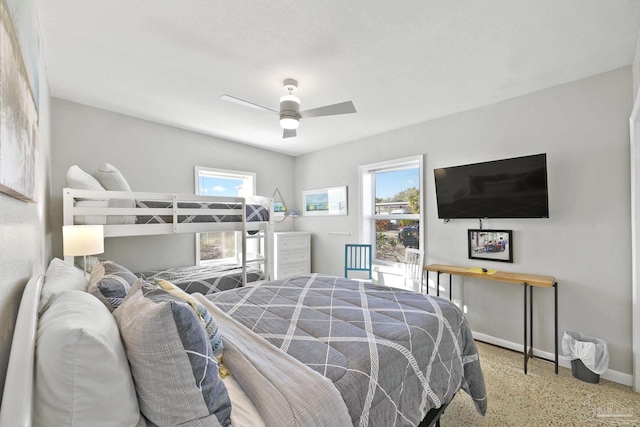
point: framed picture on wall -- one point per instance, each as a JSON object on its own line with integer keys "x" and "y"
{"x": 325, "y": 201}
{"x": 19, "y": 123}
{"x": 491, "y": 245}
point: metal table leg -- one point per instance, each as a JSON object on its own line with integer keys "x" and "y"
{"x": 530, "y": 321}
{"x": 555, "y": 314}
{"x": 526, "y": 356}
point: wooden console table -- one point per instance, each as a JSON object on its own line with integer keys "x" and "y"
{"x": 528, "y": 280}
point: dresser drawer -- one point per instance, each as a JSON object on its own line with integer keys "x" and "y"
{"x": 292, "y": 270}
{"x": 292, "y": 254}
{"x": 293, "y": 243}
{"x": 293, "y": 257}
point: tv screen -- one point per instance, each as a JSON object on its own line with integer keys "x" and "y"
{"x": 508, "y": 188}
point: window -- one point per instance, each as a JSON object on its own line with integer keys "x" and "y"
{"x": 392, "y": 208}
{"x": 221, "y": 246}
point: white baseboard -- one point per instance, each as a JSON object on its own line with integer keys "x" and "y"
{"x": 611, "y": 375}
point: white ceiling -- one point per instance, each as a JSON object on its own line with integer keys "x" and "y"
{"x": 400, "y": 63}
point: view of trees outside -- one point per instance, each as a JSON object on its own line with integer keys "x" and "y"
{"x": 397, "y": 193}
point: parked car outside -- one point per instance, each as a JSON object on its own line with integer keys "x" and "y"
{"x": 410, "y": 236}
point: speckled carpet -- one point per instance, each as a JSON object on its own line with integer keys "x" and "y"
{"x": 541, "y": 398}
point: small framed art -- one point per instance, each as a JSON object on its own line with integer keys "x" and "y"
{"x": 325, "y": 201}
{"x": 491, "y": 245}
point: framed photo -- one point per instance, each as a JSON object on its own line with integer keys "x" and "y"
{"x": 325, "y": 201}
{"x": 491, "y": 245}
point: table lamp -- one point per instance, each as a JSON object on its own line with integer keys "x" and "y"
{"x": 82, "y": 240}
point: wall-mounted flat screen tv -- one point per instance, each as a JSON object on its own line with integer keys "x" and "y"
{"x": 508, "y": 188}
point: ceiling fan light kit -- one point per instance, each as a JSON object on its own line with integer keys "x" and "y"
{"x": 288, "y": 122}
{"x": 290, "y": 107}
{"x": 290, "y": 114}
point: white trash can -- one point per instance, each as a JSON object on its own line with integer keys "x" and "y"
{"x": 589, "y": 356}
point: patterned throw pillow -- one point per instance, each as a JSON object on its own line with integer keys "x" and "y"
{"x": 171, "y": 360}
{"x": 110, "y": 282}
{"x": 206, "y": 319}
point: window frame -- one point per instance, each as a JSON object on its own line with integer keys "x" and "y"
{"x": 249, "y": 179}
{"x": 368, "y": 204}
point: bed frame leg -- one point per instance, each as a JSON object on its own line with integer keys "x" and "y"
{"x": 432, "y": 419}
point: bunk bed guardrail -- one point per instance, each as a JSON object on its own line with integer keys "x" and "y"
{"x": 150, "y": 213}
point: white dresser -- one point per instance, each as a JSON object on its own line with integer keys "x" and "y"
{"x": 292, "y": 254}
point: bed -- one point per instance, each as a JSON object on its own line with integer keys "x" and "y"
{"x": 306, "y": 351}
{"x": 106, "y": 199}
{"x": 205, "y": 279}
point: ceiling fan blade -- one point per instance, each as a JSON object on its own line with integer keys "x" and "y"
{"x": 330, "y": 110}
{"x": 289, "y": 133}
{"x": 247, "y": 103}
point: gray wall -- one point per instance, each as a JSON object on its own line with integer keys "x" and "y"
{"x": 25, "y": 243}
{"x": 583, "y": 127}
{"x": 154, "y": 158}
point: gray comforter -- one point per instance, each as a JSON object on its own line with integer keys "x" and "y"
{"x": 204, "y": 279}
{"x": 392, "y": 354}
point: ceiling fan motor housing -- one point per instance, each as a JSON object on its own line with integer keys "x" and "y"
{"x": 290, "y": 106}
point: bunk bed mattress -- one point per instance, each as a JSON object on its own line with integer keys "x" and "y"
{"x": 392, "y": 354}
{"x": 254, "y": 213}
{"x": 204, "y": 279}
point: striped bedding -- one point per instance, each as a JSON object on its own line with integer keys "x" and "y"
{"x": 253, "y": 212}
{"x": 204, "y": 279}
{"x": 392, "y": 354}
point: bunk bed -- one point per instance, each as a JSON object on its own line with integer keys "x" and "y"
{"x": 128, "y": 213}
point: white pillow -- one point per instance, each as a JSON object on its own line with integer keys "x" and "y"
{"x": 91, "y": 219}
{"x": 111, "y": 178}
{"x": 80, "y": 180}
{"x": 82, "y": 373}
{"x": 60, "y": 276}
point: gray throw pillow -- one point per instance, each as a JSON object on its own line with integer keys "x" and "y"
{"x": 171, "y": 359}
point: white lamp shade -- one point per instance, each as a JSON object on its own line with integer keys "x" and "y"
{"x": 80, "y": 240}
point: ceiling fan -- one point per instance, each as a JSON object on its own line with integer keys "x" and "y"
{"x": 290, "y": 113}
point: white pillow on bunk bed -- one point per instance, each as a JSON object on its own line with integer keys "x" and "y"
{"x": 171, "y": 359}
{"x": 60, "y": 276}
{"x": 81, "y": 180}
{"x": 111, "y": 178}
{"x": 108, "y": 178}
{"x": 82, "y": 374}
